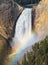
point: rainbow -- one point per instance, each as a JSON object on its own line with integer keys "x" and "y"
{"x": 27, "y": 41}
{"x": 19, "y": 47}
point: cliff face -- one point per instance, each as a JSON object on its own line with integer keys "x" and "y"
{"x": 8, "y": 15}
{"x": 41, "y": 18}
{"x": 9, "y": 12}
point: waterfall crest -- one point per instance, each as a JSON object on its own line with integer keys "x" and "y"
{"x": 23, "y": 26}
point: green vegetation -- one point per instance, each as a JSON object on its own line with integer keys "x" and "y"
{"x": 25, "y": 2}
{"x": 38, "y": 55}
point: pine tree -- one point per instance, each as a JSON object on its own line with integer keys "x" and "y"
{"x": 38, "y": 55}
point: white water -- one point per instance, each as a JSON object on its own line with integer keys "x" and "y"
{"x": 23, "y": 24}
{"x": 22, "y": 28}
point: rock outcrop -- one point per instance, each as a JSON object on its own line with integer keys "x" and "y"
{"x": 41, "y": 18}
{"x": 9, "y": 12}
{"x": 8, "y": 16}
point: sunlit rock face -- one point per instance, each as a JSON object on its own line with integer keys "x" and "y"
{"x": 41, "y": 18}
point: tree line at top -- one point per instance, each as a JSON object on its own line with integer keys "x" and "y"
{"x": 25, "y": 2}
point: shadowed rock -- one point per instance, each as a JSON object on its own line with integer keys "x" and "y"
{"x": 9, "y": 12}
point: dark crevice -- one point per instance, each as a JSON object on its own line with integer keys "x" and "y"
{"x": 15, "y": 24}
{"x": 8, "y": 42}
{"x": 26, "y": 2}
{"x": 33, "y": 18}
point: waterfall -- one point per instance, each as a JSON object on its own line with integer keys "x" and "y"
{"x": 22, "y": 30}
{"x": 23, "y": 26}
{"x": 24, "y": 37}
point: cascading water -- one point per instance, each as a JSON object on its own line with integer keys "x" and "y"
{"x": 23, "y": 37}
{"x": 22, "y": 31}
{"x": 23, "y": 25}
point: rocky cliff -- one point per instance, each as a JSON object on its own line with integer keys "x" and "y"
{"x": 8, "y": 15}
{"x": 41, "y": 18}
{"x": 9, "y": 12}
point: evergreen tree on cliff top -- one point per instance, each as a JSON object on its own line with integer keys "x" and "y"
{"x": 38, "y": 55}
{"x": 26, "y": 2}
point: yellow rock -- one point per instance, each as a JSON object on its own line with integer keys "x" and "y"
{"x": 41, "y": 19}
